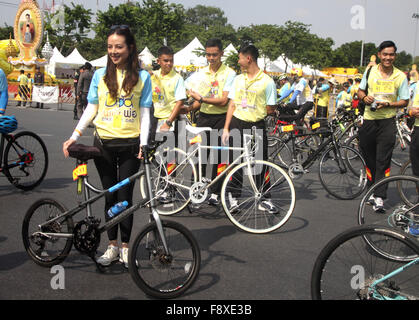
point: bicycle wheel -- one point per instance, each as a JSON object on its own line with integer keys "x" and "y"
{"x": 262, "y": 210}
{"x": 279, "y": 153}
{"x": 42, "y": 249}
{"x": 346, "y": 178}
{"x": 25, "y": 160}
{"x": 157, "y": 274}
{"x": 406, "y": 170}
{"x": 172, "y": 177}
{"x": 399, "y": 205}
{"x": 347, "y": 268}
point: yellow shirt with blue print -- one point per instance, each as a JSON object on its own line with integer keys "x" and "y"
{"x": 167, "y": 90}
{"x": 391, "y": 89}
{"x": 213, "y": 85}
{"x": 120, "y": 117}
{"x": 251, "y": 97}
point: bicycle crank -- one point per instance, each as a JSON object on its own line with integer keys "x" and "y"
{"x": 198, "y": 192}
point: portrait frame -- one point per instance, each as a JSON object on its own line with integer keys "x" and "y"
{"x": 35, "y": 32}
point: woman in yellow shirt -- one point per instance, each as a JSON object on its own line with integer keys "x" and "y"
{"x": 119, "y": 103}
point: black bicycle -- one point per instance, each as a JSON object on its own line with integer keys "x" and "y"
{"x": 23, "y": 159}
{"x": 341, "y": 167}
{"x": 164, "y": 259}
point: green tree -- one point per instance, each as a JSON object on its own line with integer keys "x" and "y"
{"x": 6, "y": 31}
{"x": 348, "y": 55}
{"x": 77, "y": 24}
{"x": 206, "y": 16}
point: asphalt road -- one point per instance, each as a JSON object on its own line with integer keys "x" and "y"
{"x": 235, "y": 265}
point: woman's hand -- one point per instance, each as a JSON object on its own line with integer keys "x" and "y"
{"x": 66, "y": 144}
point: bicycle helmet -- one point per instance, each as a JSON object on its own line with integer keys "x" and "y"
{"x": 297, "y": 71}
{"x": 8, "y": 124}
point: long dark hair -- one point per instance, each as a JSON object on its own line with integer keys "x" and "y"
{"x": 133, "y": 66}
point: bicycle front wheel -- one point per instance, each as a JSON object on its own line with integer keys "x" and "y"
{"x": 258, "y": 197}
{"x": 161, "y": 275}
{"x": 342, "y": 172}
{"x": 347, "y": 268}
{"x": 44, "y": 249}
{"x": 173, "y": 174}
{"x": 25, "y": 160}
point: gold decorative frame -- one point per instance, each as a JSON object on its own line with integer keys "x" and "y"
{"x": 28, "y": 50}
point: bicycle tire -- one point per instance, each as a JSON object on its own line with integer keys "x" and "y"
{"x": 400, "y": 155}
{"x": 38, "y": 252}
{"x": 346, "y": 267}
{"x": 184, "y": 177}
{"x": 351, "y": 183}
{"x": 406, "y": 170}
{"x": 27, "y": 148}
{"x": 400, "y": 190}
{"x": 155, "y": 274}
{"x": 279, "y": 152}
{"x": 254, "y": 219}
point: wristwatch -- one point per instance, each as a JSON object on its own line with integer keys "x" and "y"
{"x": 201, "y": 99}
{"x": 169, "y": 123}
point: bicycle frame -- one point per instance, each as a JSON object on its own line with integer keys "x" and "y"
{"x": 245, "y": 153}
{"x": 117, "y": 219}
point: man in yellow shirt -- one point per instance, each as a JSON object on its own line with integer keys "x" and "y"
{"x": 252, "y": 97}
{"x": 23, "y": 88}
{"x": 414, "y": 145}
{"x": 211, "y": 96}
{"x": 168, "y": 94}
{"x": 385, "y": 90}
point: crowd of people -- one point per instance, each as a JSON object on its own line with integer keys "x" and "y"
{"x": 129, "y": 107}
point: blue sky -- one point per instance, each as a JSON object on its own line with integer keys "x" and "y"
{"x": 384, "y": 19}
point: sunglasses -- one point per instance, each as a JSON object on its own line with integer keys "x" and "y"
{"x": 119, "y": 26}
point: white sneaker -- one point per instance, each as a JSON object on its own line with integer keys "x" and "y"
{"x": 371, "y": 200}
{"x": 213, "y": 200}
{"x": 110, "y": 255}
{"x": 379, "y": 205}
{"x": 234, "y": 204}
{"x": 123, "y": 256}
{"x": 267, "y": 205}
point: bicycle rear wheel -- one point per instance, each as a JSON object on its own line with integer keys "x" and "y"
{"x": 25, "y": 160}
{"x": 42, "y": 249}
{"x": 263, "y": 210}
{"x": 343, "y": 178}
{"x": 157, "y": 274}
{"x": 347, "y": 267}
{"x": 279, "y": 152}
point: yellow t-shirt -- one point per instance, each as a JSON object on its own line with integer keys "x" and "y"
{"x": 252, "y": 96}
{"x": 23, "y": 80}
{"x": 385, "y": 90}
{"x": 120, "y": 117}
{"x": 324, "y": 98}
{"x": 213, "y": 85}
{"x": 167, "y": 90}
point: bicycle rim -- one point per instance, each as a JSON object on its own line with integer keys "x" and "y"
{"x": 248, "y": 210}
{"x": 347, "y": 268}
{"x": 43, "y": 250}
{"x": 26, "y": 160}
{"x": 159, "y": 275}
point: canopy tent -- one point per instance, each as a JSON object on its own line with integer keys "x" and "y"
{"x": 56, "y": 56}
{"x": 146, "y": 58}
{"x": 228, "y": 51}
{"x": 101, "y": 62}
{"x": 187, "y": 56}
{"x": 269, "y": 66}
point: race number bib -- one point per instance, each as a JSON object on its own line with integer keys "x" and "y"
{"x": 384, "y": 90}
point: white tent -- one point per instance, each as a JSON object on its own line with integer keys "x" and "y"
{"x": 73, "y": 60}
{"x": 146, "y": 57}
{"x": 101, "y": 62}
{"x": 187, "y": 56}
{"x": 56, "y": 56}
{"x": 229, "y": 50}
{"x": 270, "y": 66}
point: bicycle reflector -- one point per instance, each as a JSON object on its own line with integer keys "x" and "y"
{"x": 8, "y": 124}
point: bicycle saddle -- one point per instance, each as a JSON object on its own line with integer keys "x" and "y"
{"x": 83, "y": 152}
{"x": 197, "y": 130}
